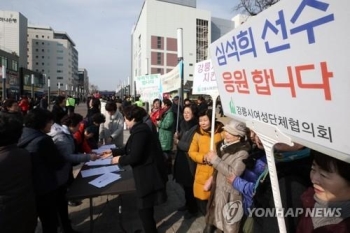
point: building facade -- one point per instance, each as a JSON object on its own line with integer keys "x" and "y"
{"x": 154, "y": 37}
{"x": 83, "y": 81}
{"x": 53, "y": 53}
{"x": 13, "y": 35}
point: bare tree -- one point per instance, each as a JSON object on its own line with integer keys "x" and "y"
{"x": 254, "y": 7}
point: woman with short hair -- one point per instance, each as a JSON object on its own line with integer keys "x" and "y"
{"x": 144, "y": 154}
{"x": 330, "y": 193}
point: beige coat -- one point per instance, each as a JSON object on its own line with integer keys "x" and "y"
{"x": 225, "y": 208}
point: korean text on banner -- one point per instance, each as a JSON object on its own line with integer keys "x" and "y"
{"x": 171, "y": 81}
{"x": 148, "y": 86}
{"x": 204, "y": 81}
{"x": 284, "y": 68}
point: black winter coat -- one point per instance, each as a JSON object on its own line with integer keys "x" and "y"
{"x": 184, "y": 166}
{"x": 17, "y": 201}
{"x": 144, "y": 154}
{"x": 45, "y": 158}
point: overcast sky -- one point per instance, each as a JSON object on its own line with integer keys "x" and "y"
{"x": 100, "y": 29}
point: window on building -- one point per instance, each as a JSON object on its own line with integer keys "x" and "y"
{"x": 202, "y": 40}
{"x": 43, "y": 50}
{"x": 59, "y": 71}
{"x": 42, "y": 36}
{"x": 159, "y": 70}
{"x": 42, "y": 57}
{"x": 37, "y": 42}
{"x": 43, "y": 63}
{"x": 37, "y": 63}
{"x": 159, "y": 42}
{"x": 191, "y": 64}
{"x": 36, "y": 56}
{"x": 36, "y": 36}
{"x": 42, "y": 43}
{"x": 191, "y": 75}
{"x": 14, "y": 65}
{"x": 37, "y": 50}
{"x": 59, "y": 77}
{"x": 159, "y": 58}
{"x": 139, "y": 41}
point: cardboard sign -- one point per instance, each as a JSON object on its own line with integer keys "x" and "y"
{"x": 288, "y": 67}
{"x": 204, "y": 80}
{"x": 148, "y": 86}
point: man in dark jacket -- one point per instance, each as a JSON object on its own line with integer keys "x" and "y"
{"x": 17, "y": 200}
{"x": 46, "y": 159}
{"x": 43, "y": 102}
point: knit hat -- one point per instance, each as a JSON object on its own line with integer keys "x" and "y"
{"x": 236, "y": 128}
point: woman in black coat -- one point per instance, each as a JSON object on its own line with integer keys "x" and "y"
{"x": 59, "y": 109}
{"x": 17, "y": 200}
{"x": 144, "y": 154}
{"x": 184, "y": 166}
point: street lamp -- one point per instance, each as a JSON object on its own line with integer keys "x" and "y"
{"x": 181, "y": 60}
{"x": 48, "y": 90}
{"x": 32, "y": 87}
{"x": 3, "y": 82}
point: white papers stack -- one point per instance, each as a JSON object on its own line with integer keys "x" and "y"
{"x": 99, "y": 162}
{"x": 104, "y": 180}
{"x": 103, "y": 148}
{"x": 99, "y": 171}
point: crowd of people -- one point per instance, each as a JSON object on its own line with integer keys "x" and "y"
{"x": 225, "y": 183}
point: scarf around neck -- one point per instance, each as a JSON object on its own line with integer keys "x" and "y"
{"x": 337, "y": 211}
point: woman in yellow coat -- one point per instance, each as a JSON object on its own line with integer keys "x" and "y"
{"x": 199, "y": 148}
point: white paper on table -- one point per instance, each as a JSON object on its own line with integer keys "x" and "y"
{"x": 103, "y": 148}
{"x": 99, "y": 162}
{"x": 99, "y": 170}
{"x": 105, "y": 179}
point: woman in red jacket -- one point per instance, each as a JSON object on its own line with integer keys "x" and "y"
{"x": 24, "y": 105}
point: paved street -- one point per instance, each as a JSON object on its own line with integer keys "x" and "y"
{"x": 106, "y": 210}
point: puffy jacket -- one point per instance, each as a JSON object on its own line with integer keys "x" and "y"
{"x": 246, "y": 183}
{"x": 166, "y": 127}
{"x": 64, "y": 142}
{"x": 45, "y": 157}
{"x": 200, "y": 146}
{"x": 229, "y": 161}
